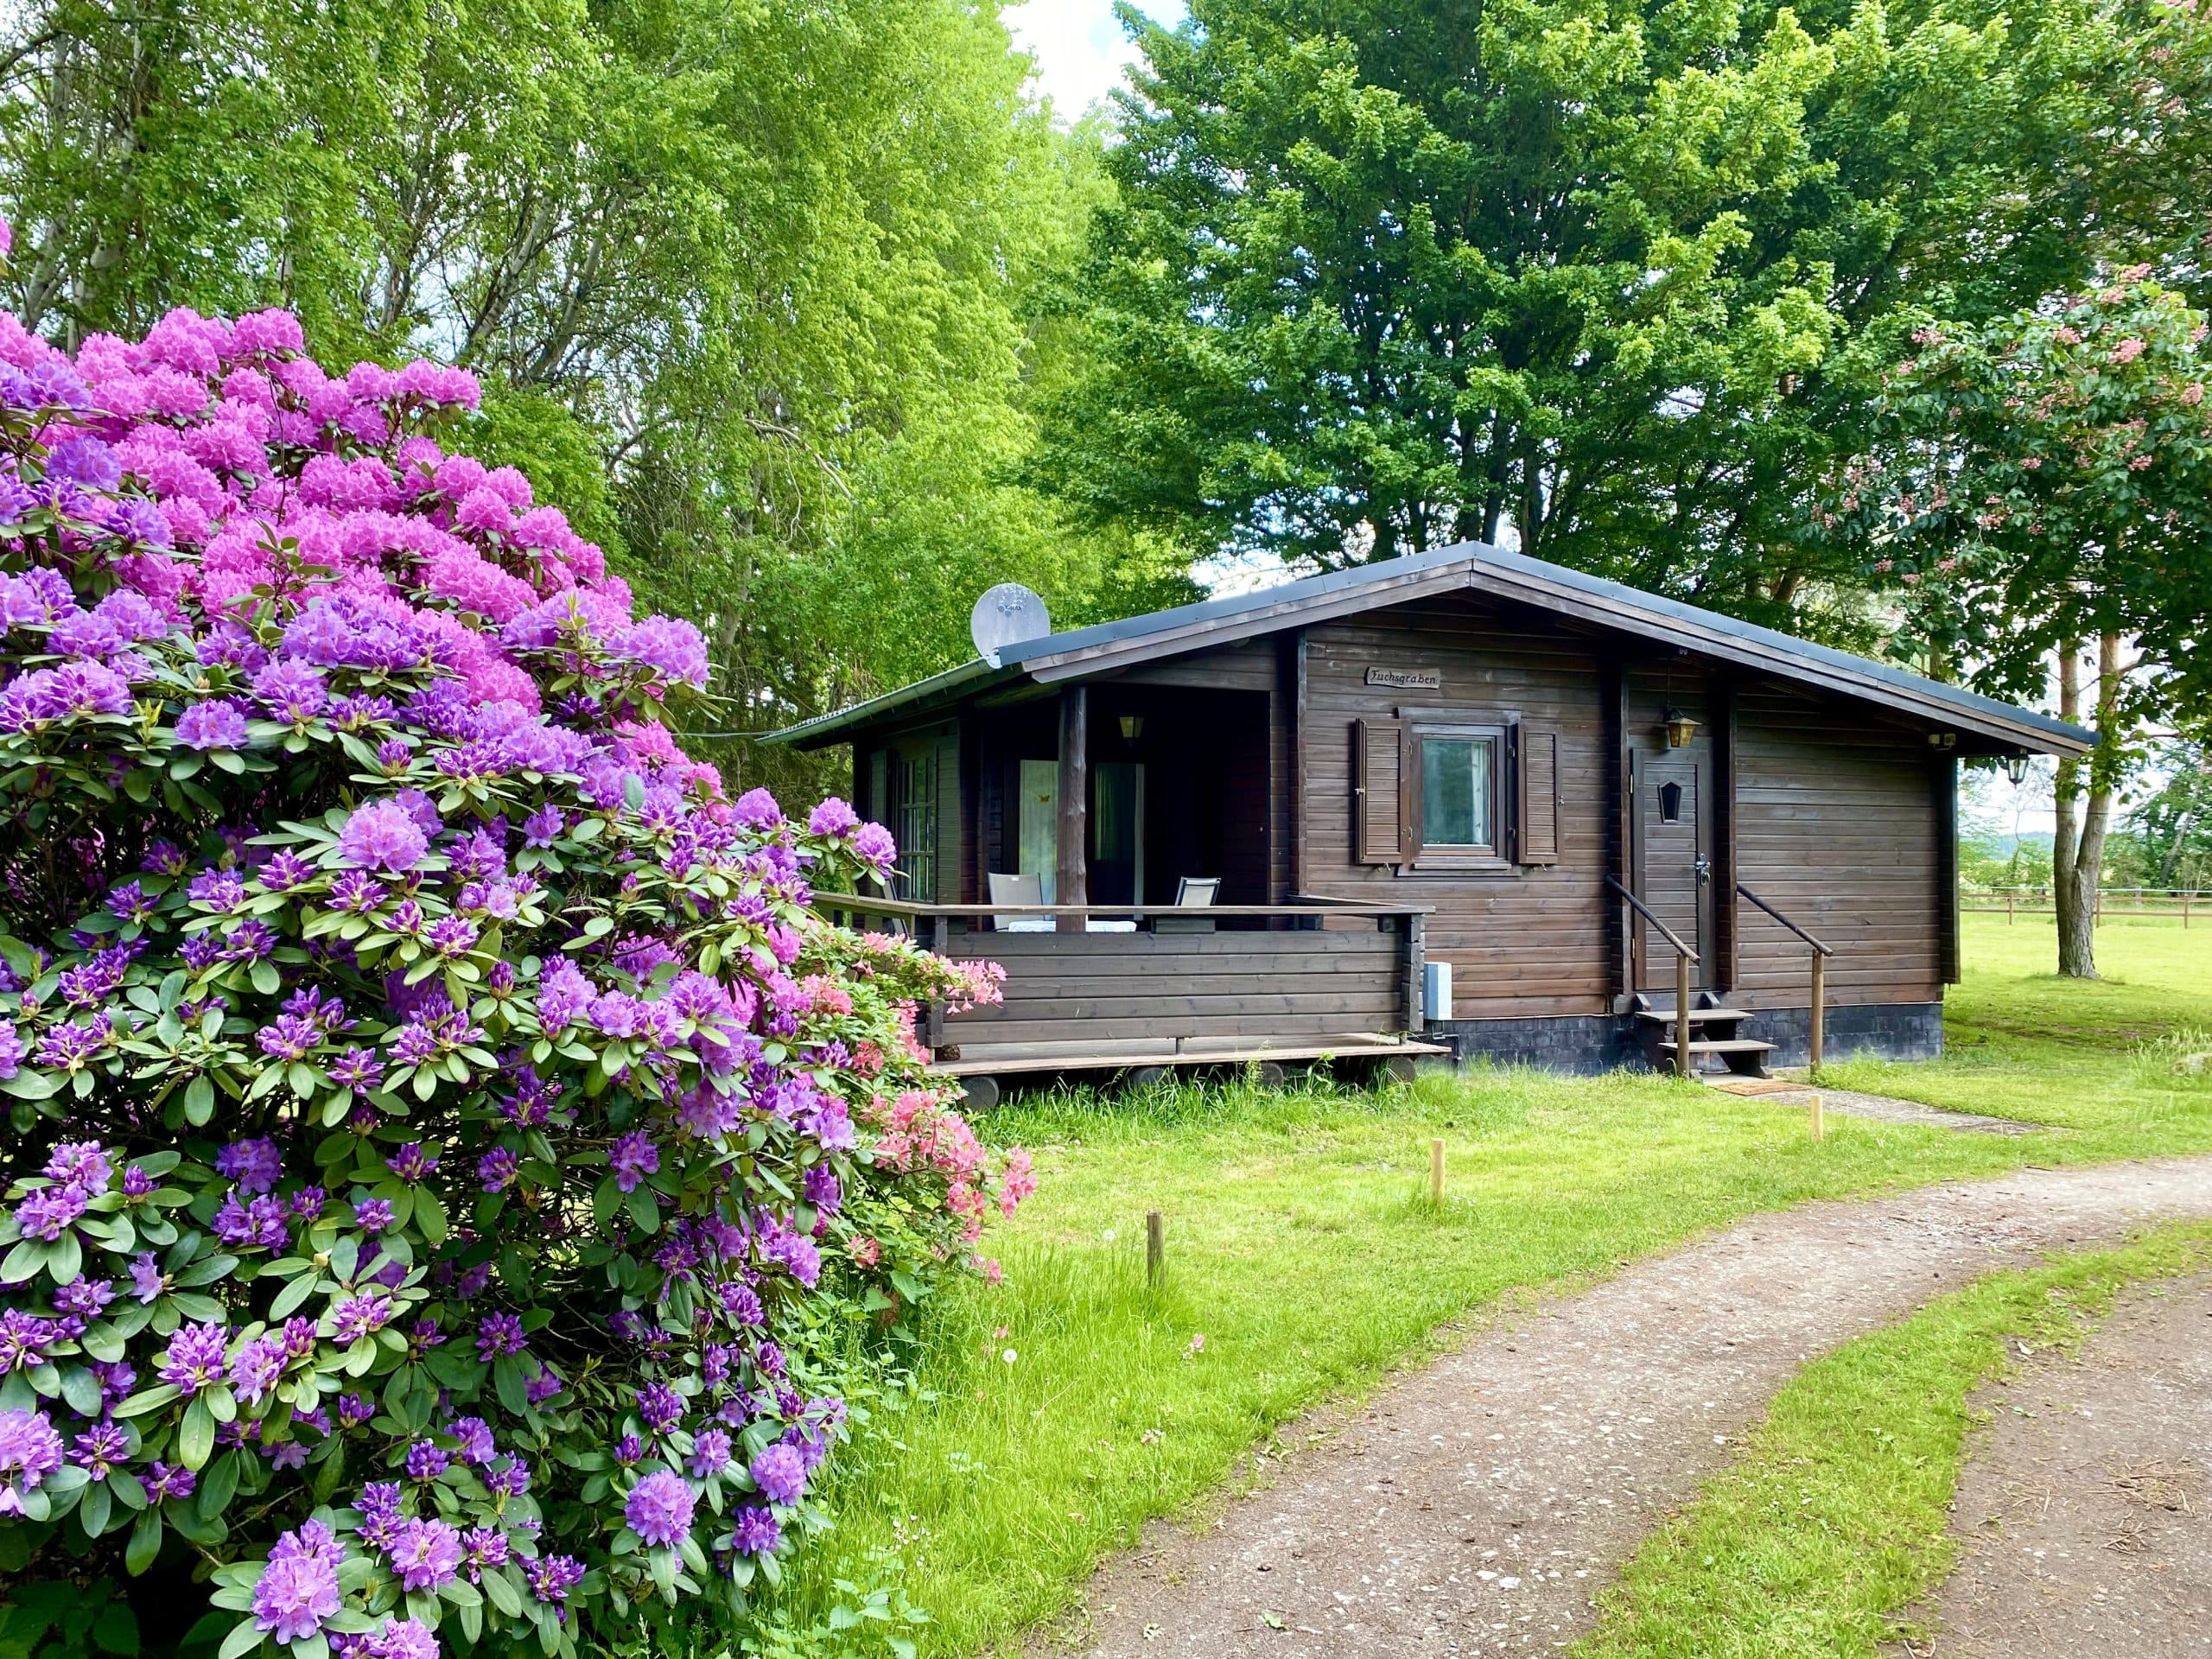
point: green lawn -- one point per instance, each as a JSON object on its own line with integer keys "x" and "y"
{"x": 1055, "y": 1414}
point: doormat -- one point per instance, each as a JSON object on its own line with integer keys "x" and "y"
{"x": 1751, "y": 1085}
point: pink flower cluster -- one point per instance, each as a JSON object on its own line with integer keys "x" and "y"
{"x": 215, "y": 465}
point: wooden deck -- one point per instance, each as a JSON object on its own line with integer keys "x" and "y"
{"x": 1316, "y": 979}
{"x": 1013, "y": 1059}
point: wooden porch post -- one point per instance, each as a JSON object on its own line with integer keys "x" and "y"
{"x": 1074, "y": 879}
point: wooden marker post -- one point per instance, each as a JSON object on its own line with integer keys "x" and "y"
{"x": 1436, "y": 1173}
{"x": 1155, "y": 1248}
{"x": 1819, "y": 1122}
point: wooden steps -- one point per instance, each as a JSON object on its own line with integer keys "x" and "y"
{"x": 1715, "y": 1034}
{"x": 1722, "y": 1046}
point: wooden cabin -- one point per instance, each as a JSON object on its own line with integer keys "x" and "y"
{"x": 1625, "y": 830}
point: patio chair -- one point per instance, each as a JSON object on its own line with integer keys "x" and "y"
{"x": 1018, "y": 890}
{"x": 1191, "y": 891}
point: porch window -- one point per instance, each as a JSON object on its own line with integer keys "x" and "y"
{"x": 914, "y": 791}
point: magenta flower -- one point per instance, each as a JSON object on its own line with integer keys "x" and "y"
{"x": 660, "y": 1509}
{"x": 382, "y": 835}
{"x": 215, "y": 724}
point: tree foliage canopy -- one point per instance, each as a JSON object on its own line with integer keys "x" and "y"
{"x": 1384, "y": 275}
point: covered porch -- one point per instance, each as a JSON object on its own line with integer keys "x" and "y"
{"x": 1171, "y": 987}
{"x": 1120, "y": 846}
{"x": 1120, "y": 795}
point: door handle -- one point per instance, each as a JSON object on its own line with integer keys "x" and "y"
{"x": 1704, "y": 867}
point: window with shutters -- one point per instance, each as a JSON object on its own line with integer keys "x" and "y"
{"x": 1443, "y": 794}
{"x": 1458, "y": 796}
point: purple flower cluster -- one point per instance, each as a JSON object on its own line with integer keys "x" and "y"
{"x": 383, "y": 836}
{"x": 422, "y": 870}
{"x": 660, "y": 1509}
{"x": 30, "y": 1450}
{"x": 298, "y": 1589}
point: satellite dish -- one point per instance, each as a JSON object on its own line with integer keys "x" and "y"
{"x": 1008, "y": 614}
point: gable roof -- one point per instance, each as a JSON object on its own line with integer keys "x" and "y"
{"x": 1473, "y": 566}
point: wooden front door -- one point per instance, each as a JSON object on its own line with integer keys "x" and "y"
{"x": 1673, "y": 862}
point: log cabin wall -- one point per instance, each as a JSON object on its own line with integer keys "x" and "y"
{"x": 1524, "y": 940}
{"x": 1840, "y": 827}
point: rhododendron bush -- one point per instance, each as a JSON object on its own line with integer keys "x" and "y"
{"x": 447, "y": 1157}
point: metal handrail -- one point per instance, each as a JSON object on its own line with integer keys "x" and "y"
{"x": 1825, "y": 949}
{"x": 1644, "y": 911}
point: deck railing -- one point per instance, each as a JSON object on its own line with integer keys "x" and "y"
{"x": 1183, "y": 987}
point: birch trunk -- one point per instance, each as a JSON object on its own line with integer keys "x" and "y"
{"x": 2085, "y": 789}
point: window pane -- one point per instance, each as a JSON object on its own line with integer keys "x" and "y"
{"x": 1455, "y": 792}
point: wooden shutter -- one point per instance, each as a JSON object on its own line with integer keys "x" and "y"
{"x": 1535, "y": 795}
{"x": 1378, "y": 774}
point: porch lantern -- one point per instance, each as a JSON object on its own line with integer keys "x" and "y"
{"x": 1680, "y": 729}
{"x": 1131, "y": 726}
{"x": 2016, "y": 768}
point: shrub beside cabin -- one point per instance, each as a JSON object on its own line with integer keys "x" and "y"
{"x": 1257, "y": 827}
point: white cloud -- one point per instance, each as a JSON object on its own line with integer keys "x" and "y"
{"x": 1080, "y": 48}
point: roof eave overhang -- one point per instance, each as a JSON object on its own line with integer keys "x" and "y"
{"x": 2029, "y": 733}
{"x": 907, "y": 704}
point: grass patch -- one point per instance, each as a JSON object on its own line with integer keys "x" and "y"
{"x": 1834, "y": 1516}
{"x": 2101, "y": 1055}
{"x": 1301, "y": 1247}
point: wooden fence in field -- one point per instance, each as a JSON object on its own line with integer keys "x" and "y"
{"x": 2113, "y": 904}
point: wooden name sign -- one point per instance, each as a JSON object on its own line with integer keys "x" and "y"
{"x": 1407, "y": 679}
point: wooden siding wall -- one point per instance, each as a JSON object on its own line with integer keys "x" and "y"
{"x": 1523, "y": 942}
{"x": 1838, "y": 828}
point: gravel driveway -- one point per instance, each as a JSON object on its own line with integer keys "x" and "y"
{"x": 1474, "y": 1506}
{"x": 2086, "y": 1511}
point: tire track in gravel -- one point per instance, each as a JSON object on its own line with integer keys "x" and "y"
{"x": 1475, "y": 1506}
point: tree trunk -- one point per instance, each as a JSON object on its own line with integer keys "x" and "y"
{"x": 2085, "y": 789}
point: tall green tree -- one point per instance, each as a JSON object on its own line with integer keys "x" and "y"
{"x": 755, "y": 286}
{"x": 1386, "y": 274}
{"x": 2041, "y": 497}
